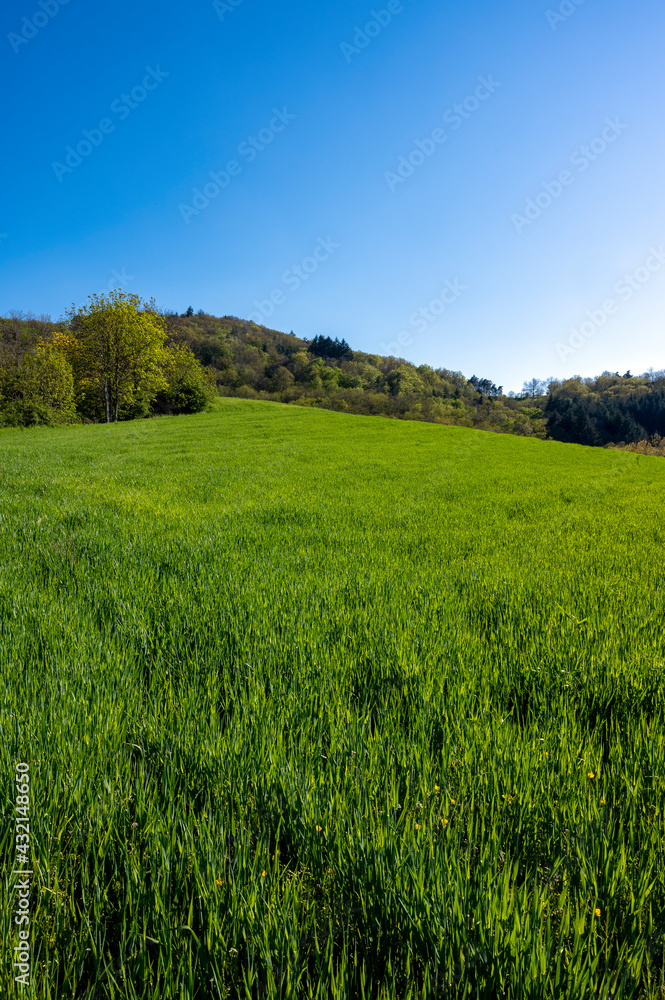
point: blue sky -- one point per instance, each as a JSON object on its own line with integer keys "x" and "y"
{"x": 527, "y": 237}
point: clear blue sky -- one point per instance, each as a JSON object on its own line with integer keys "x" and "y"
{"x": 181, "y": 89}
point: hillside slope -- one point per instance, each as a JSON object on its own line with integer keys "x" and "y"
{"x": 359, "y": 705}
{"x": 258, "y": 363}
{"x": 243, "y": 360}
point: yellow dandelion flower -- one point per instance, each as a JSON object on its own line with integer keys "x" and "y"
{"x": 453, "y": 801}
{"x": 318, "y": 828}
{"x": 436, "y": 788}
{"x": 602, "y": 802}
{"x": 591, "y": 775}
{"x": 445, "y": 822}
{"x": 263, "y": 874}
{"x": 417, "y": 826}
{"x": 330, "y": 871}
{"x": 219, "y": 881}
{"x": 546, "y": 754}
{"x": 597, "y": 912}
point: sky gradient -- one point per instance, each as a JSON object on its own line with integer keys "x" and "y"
{"x": 470, "y": 185}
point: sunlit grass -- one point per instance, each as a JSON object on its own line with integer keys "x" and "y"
{"x": 329, "y": 706}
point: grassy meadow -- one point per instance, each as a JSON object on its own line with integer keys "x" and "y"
{"x": 327, "y": 706}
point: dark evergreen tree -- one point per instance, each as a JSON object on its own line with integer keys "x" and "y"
{"x": 325, "y": 347}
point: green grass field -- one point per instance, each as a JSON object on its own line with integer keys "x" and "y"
{"x": 330, "y": 706}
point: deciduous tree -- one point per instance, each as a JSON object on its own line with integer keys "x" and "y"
{"x": 117, "y": 351}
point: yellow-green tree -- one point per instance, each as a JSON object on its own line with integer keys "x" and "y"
{"x": 115, "y": 345}
{"x": 404, "y": 380}
{"x": 39, "y": 389}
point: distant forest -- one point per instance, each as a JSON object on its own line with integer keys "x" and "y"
{"x": 253, "y": 362}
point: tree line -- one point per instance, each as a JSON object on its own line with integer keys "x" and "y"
{"x": 118, "y": 358}
{"x": 609, "y": 410}
{"x": 255, "y": 362}
{"x": 109, "y": 360}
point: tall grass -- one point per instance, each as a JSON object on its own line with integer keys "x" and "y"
{"x": 326, "y": 706}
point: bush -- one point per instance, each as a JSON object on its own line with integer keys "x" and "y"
{"x": 190, "y": 386}
{"x": 37, "y": 390}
